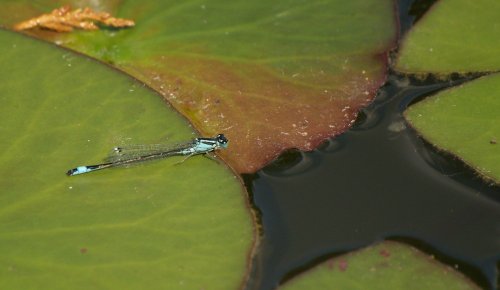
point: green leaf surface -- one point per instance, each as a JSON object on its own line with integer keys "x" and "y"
{"x": 154, "y": 226}
{"x": 270, "y": 75}
{"x": 466, "y": 122}
{"x": 387, "y": 266}
{"x": 459, "y": 36}
{"x": 454, "y": 36}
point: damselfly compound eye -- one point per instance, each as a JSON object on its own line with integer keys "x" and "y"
{"x": 222, "y": 139}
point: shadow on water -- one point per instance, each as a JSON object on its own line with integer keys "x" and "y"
{"x": 377, "y": 181}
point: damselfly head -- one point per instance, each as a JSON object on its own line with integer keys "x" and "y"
{"x": 222, "y": 140}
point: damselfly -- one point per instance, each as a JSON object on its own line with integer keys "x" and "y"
{"x": 125, "y": 156}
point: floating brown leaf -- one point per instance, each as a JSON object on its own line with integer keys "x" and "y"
{"x": 64, "y": 20}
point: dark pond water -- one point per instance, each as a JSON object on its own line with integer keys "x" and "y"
{"x": 377, "y": 181}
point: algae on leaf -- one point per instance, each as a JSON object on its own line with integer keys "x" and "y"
{"x": 387, "y": 266}
{"x": 155, "y": 226}
{"x": 269, "y": 75}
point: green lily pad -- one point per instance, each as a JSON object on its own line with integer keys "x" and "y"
{"x": 458, "y": 36}
{"x": 270, "y": 75}
{"x": 454, "y": 36}
{"x": 154, "y": 226}
{"x": 466, "y": 122}
{"x": 387, "y": 266}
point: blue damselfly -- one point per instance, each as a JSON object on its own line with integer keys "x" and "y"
{"x": 129, "y": 155}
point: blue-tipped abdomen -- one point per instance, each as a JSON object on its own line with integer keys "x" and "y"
{"x": 78, "y": 170}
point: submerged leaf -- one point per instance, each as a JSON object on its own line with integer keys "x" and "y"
{"x": 269, "y": 75}
{"x": 64, "y": 19}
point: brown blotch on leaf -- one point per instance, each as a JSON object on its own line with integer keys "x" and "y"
{"x": 84, "y": 250}
{"x": 343, "y": 265}
{"x": 493, "y": 141}
{"x": 385, "y": 253}
{"x": 64, "y": 19}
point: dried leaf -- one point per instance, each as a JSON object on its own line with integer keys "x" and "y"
{"x": 64, "y": 20}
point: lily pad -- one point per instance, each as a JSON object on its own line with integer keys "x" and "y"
{"x": 154, "y": 226}
{"x": 388, "y": 265}
{"x": 454, "y": 36}
{"x": 271, "y": 76}
{"x": 458, "y": 37}
{"x": 466, "y": 122}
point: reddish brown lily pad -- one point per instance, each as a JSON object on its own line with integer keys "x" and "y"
{"x": 261, "y": 112}
{"x": 271, "y": 76}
